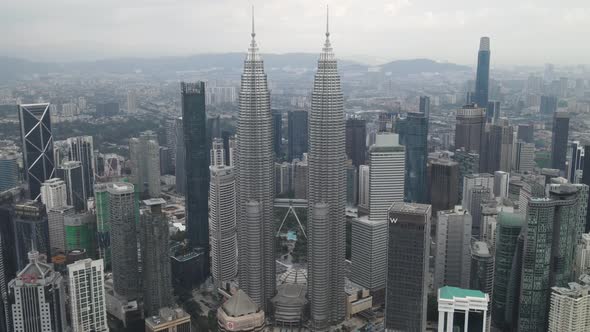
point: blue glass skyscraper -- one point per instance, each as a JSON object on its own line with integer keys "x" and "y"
{"x": 194, "y": 121}
{"x": 482, "y": 80}
{"x": 413, "y": 132}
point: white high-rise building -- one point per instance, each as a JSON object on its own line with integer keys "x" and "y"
{"x": 37, "y": 298}
{"x": 583, "y": 256}
{"x": 524, "y": 157}
{"x": 326, "y": 188}
{"x": 222, "y": 224}
{"x": 217, "y": 152}
{"x": 364, "y": 186}
{"x": 501, "y": 183}
{"x": 254, "y": 160}
{"x": 144, "y": 153}
{"x": 386, "y": 175}
{"x": 87, "y": 296}
{"x": 57, "y": 233}
{"x": 369, "y": 233}
{"x": 54, "y": 194}
{"x": 453, "y": 249}
{"x": 570, "y": 307}
{"x": 131, "y": 101}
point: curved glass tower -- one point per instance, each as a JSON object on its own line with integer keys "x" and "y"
{"x": 327, "y": 185}
{"x": 255, "y": 180}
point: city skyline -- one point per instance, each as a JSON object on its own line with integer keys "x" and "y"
{"x": 425, "y": 29}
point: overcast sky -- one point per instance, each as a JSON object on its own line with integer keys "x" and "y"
{"x": 521, "y": 31}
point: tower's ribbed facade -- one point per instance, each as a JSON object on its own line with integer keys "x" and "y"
{"x": 255, "y": 180}
{"x": 327, "y": 185}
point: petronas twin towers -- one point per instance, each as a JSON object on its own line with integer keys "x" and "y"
{"x": 326, "y": 186}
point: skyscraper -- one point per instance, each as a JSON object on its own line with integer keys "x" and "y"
{"x": 80, "y": 230}
{"x": 444, "y": 174}
{"x": 38, "y": 297}
{"x": 413, "y": 134}
{"x": 222, "y": 221}
{"x": 525, "y": 132}
{"x": 194, "y": 120}
{"x": 57, "y": 235}
{"x": 408, "y": 253}
{"x": 8, "y": 253}
{"x": 548, "y": 105}
{"x": 561, "y": 122}
{"x": 507, "y": 266}
{"x": 81, "y": 149}
{"x": 501, "y": 184}
{"x": 369, "y": 234}
{"x": 8, "y": 170}
{"x": 71, "y": 173}
{"x": 87, "y": 296}
{"x": 217, "y": 153}
{"x": 297, "y": 134}
{"x": 468, "y": 164}
{"x": 180, "y": 157}
{"x": 131, "y": 101}
{"x": 155, "y": 257}
{"x": 470, "y": 129}
{"x": 144, "y": 153}
{"x": 586, "y": 181}
{"x": 31, "y": 229}
{"x": 356, "y": 137}
{"x": 277, "y": 132}
{"x": 364, "y": 172}
{"x": 425, "y": 106}
{"x": 37, "y": 145}
{"x": 453, "y": 243}
{"x": 536, "y": 268}
{"x": 482, "y": 268}
{"x": 575, "y": 159}
{"x": 54, "y": 193}
{"x": 327, "y": 184}
{"x": 482, "y": 79}
{"x": 493, "y": 111}
{"x": 123, "y": 215}
{"x": 525, "y": 157}
{"x": 500, "y": 142}
{"x": 255, "y": 181}
{"x": 386, "y": 175}
{"x": 570, "y": 307}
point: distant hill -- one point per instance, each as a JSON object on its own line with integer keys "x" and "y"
{"x": 14, "y": 68}
{"x": 416, "y": 66}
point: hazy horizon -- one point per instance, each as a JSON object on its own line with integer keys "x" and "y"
{"x": 525, "y": 33}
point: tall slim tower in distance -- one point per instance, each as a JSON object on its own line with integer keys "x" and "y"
{"x": 482, "y": 79}
{"x": 37, "y": 145}
{"x": 561, "y": 123}
{"x": 413, "y": 134}
{"x": 196, "y": 146}
{"x": 255, "y": 181}
{"x": 327, "y": 186}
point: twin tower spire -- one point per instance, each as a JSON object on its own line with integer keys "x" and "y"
{"x": 327, "y": 45}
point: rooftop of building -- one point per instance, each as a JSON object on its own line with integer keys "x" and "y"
{"x": 154, "y": 201}
{"x": 412, "y": 208}
{"x": 450, "y": 293}
{"x": 480, "y": 248}
{"x": 166, "y": 315}
{"x": 120, "y": 187}
{"x": 291, "y": 294}
{"x": 508, "y": 219}
{"x": 479, "y": 175}
{"x": 240, "y": 304}
{"x": 575, "y": 289}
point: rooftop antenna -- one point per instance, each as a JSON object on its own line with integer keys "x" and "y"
{"x": 253, "y": 33}
{"x": 327, "y": 21}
